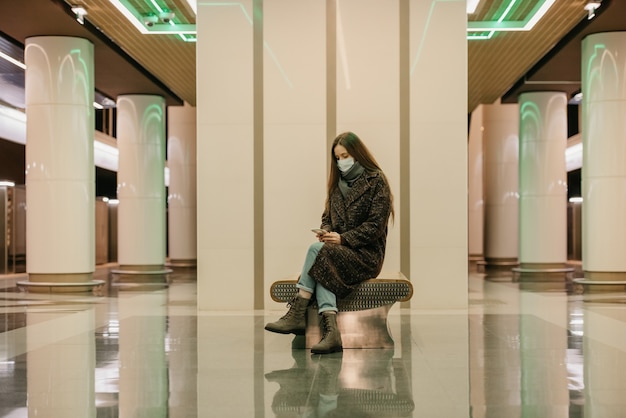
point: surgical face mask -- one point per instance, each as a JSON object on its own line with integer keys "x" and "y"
{"x": 345, "y": 164}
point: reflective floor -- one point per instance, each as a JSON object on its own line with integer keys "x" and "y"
{"x": 140, "y": 349}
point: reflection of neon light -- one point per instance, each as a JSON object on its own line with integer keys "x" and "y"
{"x": 265, "y": 45}
{"x": 342, "y": 50}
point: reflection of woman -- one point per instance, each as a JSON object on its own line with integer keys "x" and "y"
{"x": 351, "y": 247}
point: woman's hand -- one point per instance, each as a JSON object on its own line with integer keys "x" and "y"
{"x": 331, "y": 238}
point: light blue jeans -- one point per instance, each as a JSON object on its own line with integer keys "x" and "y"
{"x": 326, "y": 300}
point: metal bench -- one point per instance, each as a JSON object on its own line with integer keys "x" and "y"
{"x": 362, "y": 316}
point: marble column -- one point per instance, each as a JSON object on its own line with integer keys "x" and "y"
{"x": 476, "y": 203}
{"x": 542, "y": 186}
{"x": 501, "y": 185}
{"x": 60, "y": 186}
{"x": 141, "y": 184}
{"x": 181, "y": 199}
{"x": 604, "y": 171}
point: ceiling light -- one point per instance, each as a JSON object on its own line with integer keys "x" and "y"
{"x": 500, "y": 21}
{"x": 591, "y": 8}
{"x": 157, "y": 22}
{"x": 471, "y": 6}
{"x": 80, "y": 13}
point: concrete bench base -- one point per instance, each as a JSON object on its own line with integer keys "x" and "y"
{"x": 362, "y": 317}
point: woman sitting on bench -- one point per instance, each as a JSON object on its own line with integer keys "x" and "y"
{"x": 352, "y": 241}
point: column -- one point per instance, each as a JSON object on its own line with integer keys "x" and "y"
{"x": 476, "y": 208}
{"x": 501, "y": 185}
{"x": 141, "y": 184}
{"x": 542, "y": 186}
{"x": 437, "y": 152}
{"x": 226, "y": 161}
{"x": 368, "y": 96}
{"x": 59, "y": 162}
{"x": 604, "y": 171}
{"x": 181, "y": 199}
{"x": 294, "y": 136}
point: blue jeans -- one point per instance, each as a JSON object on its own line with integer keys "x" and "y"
{"x": 326, "y": 300}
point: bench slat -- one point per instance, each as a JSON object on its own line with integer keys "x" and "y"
{"x": 370, "y": 294}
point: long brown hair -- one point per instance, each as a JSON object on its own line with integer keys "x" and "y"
{"x": 357, "y": 149}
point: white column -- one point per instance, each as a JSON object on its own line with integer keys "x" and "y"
{"x": 59, "y": 159}
{"x": 604, "y": 148}
{"x": 226, "y": 155}
{"x": 294, "y": 136}
{"x": 542, "y": 182}
{"x": 368, "y": 96}
{"x": 181, "y": 161}
{"x": 438, "y": 153}
{"x": 141, "y": 183}
{"x": 501, "y": 184}
{"x": 476, "y": 208}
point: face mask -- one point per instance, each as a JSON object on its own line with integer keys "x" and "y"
{"x": 345, "y": 164}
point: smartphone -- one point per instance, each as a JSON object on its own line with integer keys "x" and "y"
{"x": 319, "y": 231}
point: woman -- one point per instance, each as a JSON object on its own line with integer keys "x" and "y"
{"x": 352, "y": 241}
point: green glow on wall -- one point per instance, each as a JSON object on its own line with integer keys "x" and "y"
{"x": 508, "y": 16}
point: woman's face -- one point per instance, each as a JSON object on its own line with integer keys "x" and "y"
{"x": 341, "y": 153}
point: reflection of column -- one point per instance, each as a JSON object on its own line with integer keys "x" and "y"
{"x": 61, "y": 362}
{"x": 543, "y": 350}
{"x": 59, "y": 159}
{"x": 501, "y": 188}
{"x": 604, "y": 367}
{"x": 604, "y": 147}
{"x": 542, "y": 184}
{"x": 183, "y": 354}
{"x": 141, "y": 182}
{"x": 475, "y": 204}
{"x": 143, "y": 385}
{"x": 181, "y": 161}
{"x": 501, "y": 360}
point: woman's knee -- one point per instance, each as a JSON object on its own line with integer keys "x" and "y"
{"x": 316, "y": 247}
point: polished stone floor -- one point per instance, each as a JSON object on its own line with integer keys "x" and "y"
{"x": 139, "y": 348}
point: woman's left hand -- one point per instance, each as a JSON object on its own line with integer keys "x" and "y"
{"x": 331, "y": 238}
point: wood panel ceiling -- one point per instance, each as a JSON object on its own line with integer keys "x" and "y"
{"x": 494, "y": 65}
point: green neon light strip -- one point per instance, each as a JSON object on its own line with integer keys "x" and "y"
{"x": 136, "y": 18}
{"x": 537, "y": 12}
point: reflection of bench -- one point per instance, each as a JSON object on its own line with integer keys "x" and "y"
{"x": 363, "y": 383}
{"x": 362, "y": 318}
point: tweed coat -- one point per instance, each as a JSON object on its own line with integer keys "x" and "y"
{"x": 361, "y": 219}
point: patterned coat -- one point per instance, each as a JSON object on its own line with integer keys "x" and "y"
{"x": 361, "y": 219}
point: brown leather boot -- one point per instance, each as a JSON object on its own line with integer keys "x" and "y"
{"x": 331, "y": 339}
{"x": 294, "y": 321}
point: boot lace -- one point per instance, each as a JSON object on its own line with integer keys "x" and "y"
{"x": 291, "y": 312}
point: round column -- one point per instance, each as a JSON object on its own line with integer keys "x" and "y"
{"x": 475, "y": 199}
{"x": 542, "y": 186}
{"x": 604, "y": 171}
{"x": 141, "y": 184}
{"x": 501, "y": 187}
{"x": 60, "y": 181}
{"x": 181, "y": 199}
